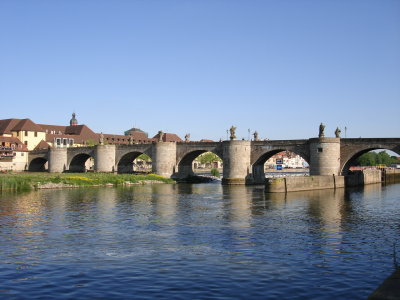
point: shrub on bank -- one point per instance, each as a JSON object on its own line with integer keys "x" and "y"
{"x": 24, "y": 181}
{"x": 215, "y": 172}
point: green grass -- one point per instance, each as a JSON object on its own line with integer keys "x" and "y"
{"x": 27, "y": 181}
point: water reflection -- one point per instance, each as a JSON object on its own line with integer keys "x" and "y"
{"x": 229, "y": 238}
{"x": 238, "y": 206}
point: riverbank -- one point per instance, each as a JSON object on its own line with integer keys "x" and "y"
{"x": 29, "y": 181}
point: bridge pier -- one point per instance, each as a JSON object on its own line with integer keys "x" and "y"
{"x": 324, "y": 156}
{"x": 58, "y": 160}
{"x": 104, "y": 158}
{"x": 236, "y": 162}
{"x": 164, "y": 158}
{"x": 258, "y": 174}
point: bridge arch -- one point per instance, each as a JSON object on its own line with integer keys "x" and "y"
{"x": 185, "y": 164}
{"x": 81, "y": 162}
{"x": 38, "y": 164}
{"x": 351, "y": 158}
{"x": 126, "y": 162}
{"x": 258, "y": 162}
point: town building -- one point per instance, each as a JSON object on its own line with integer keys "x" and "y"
{"x": 287, "y": 159}
{"x": 23, "y": 135}
{"x": 13, "y": 154}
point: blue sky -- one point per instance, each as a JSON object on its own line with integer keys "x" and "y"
{"x": 278, "y": 67}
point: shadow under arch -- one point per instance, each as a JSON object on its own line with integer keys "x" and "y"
{"x": 79, "y": 163}
{"x": 38, "y": 165}
{"x": 352, "y": 160}
{"x": 126, "y": 163}
{"x": 185, "y": 165}
{"x": 258, "y": 166}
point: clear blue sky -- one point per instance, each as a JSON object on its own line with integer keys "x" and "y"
{"x": 278, "y": 67}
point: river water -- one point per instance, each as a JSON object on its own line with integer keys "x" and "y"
{"x": 202, "y": 241}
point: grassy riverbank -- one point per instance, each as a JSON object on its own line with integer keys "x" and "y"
{"x": 28, "y": 181}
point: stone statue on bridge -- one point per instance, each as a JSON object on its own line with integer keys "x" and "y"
{"x": 255, "y": 134}
{"x": 101, "y": 141}
{"x": 187, "y": 137}
{"x": 160, "y": 136}
{"x": 232, "y": 131}
{"x": 337, "y": 132}
{"x": 321, "y": 130}
{"x": 130, "y": 140}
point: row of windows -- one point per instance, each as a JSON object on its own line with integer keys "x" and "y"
{"x": 64, "y": 141}
{"x": 53, "y": 131}
{"x": 127, "y": 140}
{"x": 25, "y": 133}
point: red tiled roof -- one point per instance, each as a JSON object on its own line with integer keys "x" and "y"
{"x": 27, "y": 125}
{"x": 42, "y": 145}
{"x": 168, "y": 137}
{"x": 7, "y": 125}
{"x": 56, "y": 128}
{"x": 81, "y": 130}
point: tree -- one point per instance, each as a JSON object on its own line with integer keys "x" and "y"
{"x": 208, "y": 157}
{"x": 372, "y": 159}
{"x": 144, "y": 157}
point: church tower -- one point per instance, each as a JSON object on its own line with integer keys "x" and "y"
{"x": 73, "y": 121}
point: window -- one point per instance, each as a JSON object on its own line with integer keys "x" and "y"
{"x": 26, "y": 133}
{"x": 71, "y": 142}
{"x": 26, "y": 143}
{"x": 58, "y": 142}
{"x": 35, "y": 133}
{"x": 320, "y": 150}
{"x": 65, "y": 142}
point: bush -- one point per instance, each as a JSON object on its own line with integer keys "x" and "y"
{"x": 215, "y": 172}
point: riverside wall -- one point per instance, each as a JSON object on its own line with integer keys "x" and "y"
{"x": 307, "y": 183}
{"x": 368, "y": 176}
{"x": 391, "y": 175}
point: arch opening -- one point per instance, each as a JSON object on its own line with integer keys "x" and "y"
{"x": 81, "y": 163}
{"x": 372, "y": 158}
{"x": 135, "y": 162}
{"x": 200, "y": 166}
{"x": 279, "y": 163}
{"x": 38, "y": 164}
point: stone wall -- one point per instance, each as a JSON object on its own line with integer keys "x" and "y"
{"x": 306, "y": 183}
{"x": 368, "y": 176}
{"x": 391, "y": 175}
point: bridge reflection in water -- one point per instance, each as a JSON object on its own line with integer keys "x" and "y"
{"x": 197, "y": 241}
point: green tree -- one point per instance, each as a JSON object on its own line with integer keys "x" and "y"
{"x": 372, "y": 159}
{"x": 91, "y": 142}
{"x": 208, "y": 157}
{"x": 367, "y": 159}
{"x": 215, "y": 172}
{"x": 144, "y": 157}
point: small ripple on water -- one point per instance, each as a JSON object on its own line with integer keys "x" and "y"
{"x": 198, "y": 246}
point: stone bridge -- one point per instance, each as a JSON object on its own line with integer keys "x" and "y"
{"x": 243, "y": 160}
